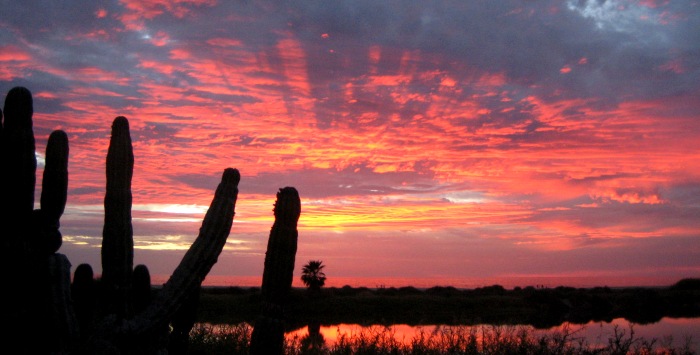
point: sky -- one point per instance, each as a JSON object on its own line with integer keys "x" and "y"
{"x": 427, "y": 139}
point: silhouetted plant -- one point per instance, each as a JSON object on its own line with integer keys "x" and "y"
{"x": 35, "y": 277}
{"x": 268, "y": 333}
{"x": 84, "y": 295}
{"x": 117, "y": 233}
{"x": 38, "y": 279}
{"x": 119, "y": 329}
{"x": 313, "y": 276}
{"x": 141, "y": 288}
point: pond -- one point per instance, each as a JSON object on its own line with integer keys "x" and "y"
{"x": 668, "y": 331}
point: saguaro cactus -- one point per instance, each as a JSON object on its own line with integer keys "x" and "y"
{"x": 34, "y": 276}
{"x": 117, "y": 233}
{"x": 268, "y": 331}
{"x": 18, "y": 160}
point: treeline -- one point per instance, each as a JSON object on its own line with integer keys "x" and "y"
{"x": 539, "y": 307}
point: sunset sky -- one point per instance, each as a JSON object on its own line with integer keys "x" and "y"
{"x": 427, "y": 139}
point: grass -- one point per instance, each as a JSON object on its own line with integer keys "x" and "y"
{"x": 456, "y": 340}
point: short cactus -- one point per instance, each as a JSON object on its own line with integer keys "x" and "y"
{"x": 84, "y": 295}
{"x": 141, "y": 288}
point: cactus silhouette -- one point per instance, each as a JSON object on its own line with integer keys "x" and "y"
{"x": 84, "y": 296}
{"x": 127, "y": 324}
{"x": 117, "y": 233}
{"x": 37, "y": 278}
{"x": 141, "y": 288}
{"x": 116, "y": 314}
{"x": 268, "y": 332}
{"x": 33, "y": 273}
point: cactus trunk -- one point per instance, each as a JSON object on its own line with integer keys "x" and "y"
{"x": 17, "y": 181}
{"x": 18, "y": 175}
{"x": 18, "y": 161}
{"x": 117, "y": 233}
{"x": 268, "y": 332}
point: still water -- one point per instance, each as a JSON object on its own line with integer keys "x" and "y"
{"x": 668, "y": 331}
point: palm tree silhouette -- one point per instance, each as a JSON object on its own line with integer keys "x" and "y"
{"x": 313, "y": 276}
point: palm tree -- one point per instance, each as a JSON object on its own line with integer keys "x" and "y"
{"x": 312, "y": 275}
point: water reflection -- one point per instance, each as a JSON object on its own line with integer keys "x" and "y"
{"x": 314, "y": 341}
{"x": 667, "y": 332}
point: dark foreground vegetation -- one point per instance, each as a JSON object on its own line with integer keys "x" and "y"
{"x": 488, "y": 320}
{"x": 539, "y": 307}
{"x": 454, "y": 340}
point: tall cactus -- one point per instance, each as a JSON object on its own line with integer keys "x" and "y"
{"x": 18, "y": 160}
{"x": 268, "y": 332}
{"x": 18, "y": 175}
{"x": 36, "y": 278}
{"x": 117, "y": 233}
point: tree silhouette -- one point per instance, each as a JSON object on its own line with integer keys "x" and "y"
{"x": 313, "y": 276}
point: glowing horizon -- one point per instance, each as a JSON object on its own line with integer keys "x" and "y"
{"x": 437, "y": 139}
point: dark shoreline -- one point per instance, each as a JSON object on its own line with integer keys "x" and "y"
{"x": 540, "y": 307}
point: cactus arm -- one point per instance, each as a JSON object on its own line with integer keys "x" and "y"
{"x": 54, "y": 192}
{"x": 197, "y": 262}
{"x": 117, "y": 233}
